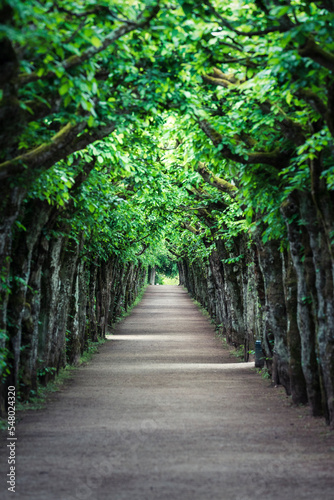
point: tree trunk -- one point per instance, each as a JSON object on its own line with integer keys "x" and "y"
{"x": 323, "y": 266}
{"x": 306, "y": 301}
{"x": 275, "y": 313}
{"x": 152, "y": 275}
{"x": 298, "y": 383}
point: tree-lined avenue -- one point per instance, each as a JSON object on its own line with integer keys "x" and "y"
{"x": 163, "y": 411}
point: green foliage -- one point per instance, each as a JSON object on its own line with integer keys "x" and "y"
{"x": 37, "y": 399}
{"x": 42, "y": 372}
{"x": 139, "y": 79}
{"x": 90, "y": 350}
{"x": 238, "y": 353}
{"x": 4, "y": 355}
{"x": 264, "y": 373}
{"x": 167, "y": 280}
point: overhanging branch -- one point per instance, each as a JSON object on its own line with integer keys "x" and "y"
{"x": 217, "y": 182}
{"x": 285, "y": 24}
{"x": 65, "y": 142}
{"x": 275, "y": 158}
{"x": 313, "y": 50}
{"x": 141, "y": 21}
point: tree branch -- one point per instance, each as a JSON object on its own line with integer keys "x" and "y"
{"x": 281, "y": 28}
{"x": 140, "y": 239}
{"x": 232, "y": 46}
{"x": 190, "y": 228}
{"x": 217, "y": 77}
{"x": 245, "y": 61}
{"x": 145, "y": 247}
{"x": 217, "y": 182}
{"x": 292, "y": 130}
{"x": 313, "y": 50}
{"x": 214, "y": 80}
{"x": 72, "y": 61}
{"x": 65, "y": 142}
{"x": 99, "y": 9}
{"x": 275, "y": 158}
{"x": 173, "y": 252}
{"x": 319, "y": 106}
{"x": 202, "y": 195}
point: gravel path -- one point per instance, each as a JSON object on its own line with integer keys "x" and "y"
{"x": 163, "y": 412}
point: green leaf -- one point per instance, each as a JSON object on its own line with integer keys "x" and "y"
{"x": 63, "y": 89}
{"x": 289, "y": 97}
{"x": 96, "y": 41}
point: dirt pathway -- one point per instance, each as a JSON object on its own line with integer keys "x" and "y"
{"x": 163, "y": 412}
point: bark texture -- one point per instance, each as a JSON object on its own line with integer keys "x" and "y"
{"x": 60, "y": 301}
{"x": 285, "y": 299}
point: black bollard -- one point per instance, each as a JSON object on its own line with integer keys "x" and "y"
{"x": 259, "y": 359}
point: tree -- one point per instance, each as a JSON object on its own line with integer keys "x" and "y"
{"x": 207, "y": 123}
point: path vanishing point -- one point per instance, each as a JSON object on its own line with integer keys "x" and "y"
{"x": 164, "y": 412}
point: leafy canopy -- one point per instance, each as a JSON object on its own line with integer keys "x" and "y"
{"x": 124, "y": 115}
